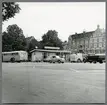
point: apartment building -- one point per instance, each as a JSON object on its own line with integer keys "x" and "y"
{"x": 88, "y": 42}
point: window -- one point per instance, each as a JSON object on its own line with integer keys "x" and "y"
{"x": 93, "y": 40}
{"x": 102, "y": 39}
{"x": 102, "y": 44}
{"x": 92, "y": 45}
{"x": 97, "y": 44}
{"x": 97, "y": 40}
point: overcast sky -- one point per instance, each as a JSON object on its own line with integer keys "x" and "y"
{"x": 35, "y": 19}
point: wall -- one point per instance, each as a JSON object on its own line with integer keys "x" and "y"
{"x": 37, "y": 56}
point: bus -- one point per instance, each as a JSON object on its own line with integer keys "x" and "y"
{"x": 14, "y": 56}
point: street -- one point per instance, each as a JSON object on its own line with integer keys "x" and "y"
{"x": 32, "y": 82}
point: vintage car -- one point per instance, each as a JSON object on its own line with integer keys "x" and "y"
{"x": 54, "y": 59}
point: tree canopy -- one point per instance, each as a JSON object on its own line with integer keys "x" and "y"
{"x": 51, "y": 39}
{"x": 31, "y": 43}
{"x": 13, "y": 39}
{"x": 9, "y": 9}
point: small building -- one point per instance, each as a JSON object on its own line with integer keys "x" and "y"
{"x": 40, "y": 54}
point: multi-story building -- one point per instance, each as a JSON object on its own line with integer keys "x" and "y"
{"x": 65, "y": 45}
{"x": 88, "y": 42}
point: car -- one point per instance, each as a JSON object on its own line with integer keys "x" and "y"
{"x": 54, "y": 59}
{"x": 47, "y": 59}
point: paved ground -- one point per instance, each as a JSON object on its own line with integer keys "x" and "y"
{"x": 53, "y": 83}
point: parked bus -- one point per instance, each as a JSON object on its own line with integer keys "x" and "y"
{"x": 14, "y": 56}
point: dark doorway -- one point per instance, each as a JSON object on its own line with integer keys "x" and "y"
{"x": 45, "y": 55}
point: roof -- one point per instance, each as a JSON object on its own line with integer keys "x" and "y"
{"x": 91, "y": 32}
{"x": 49, "y": 47}
{"x": 30, "y": 38}
{"x": 42, "y": 50}
{"x": 13, "y": 51}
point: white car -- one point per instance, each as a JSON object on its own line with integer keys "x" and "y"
{"x": 54, "y": 59}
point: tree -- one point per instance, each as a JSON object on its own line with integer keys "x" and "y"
{"x": 31, "y": 43}
{"x": 9, "y": 9}
{"x": 51, "y": 39}
{"x": 13, "y": 39}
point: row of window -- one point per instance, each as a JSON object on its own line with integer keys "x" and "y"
{"x": 97, "y": 45}
{"x": 95, "y": 51}
{"x": 92, "y": 51}
{"x": 89, "y": 40}
{"x": 92, "y": 45}
{"x": 98, "y": 34}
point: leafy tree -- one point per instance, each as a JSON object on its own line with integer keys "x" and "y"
{"x": 9, "y": 9}
{"x": 31, "y": 43}
{"x": 40, "y": 44}
{"x": 51, "y": 39}
{"x": 13, "y": 39}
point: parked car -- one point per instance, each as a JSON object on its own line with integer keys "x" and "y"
{"x": 47, "y": 59}
{"x": 54, "y": 59}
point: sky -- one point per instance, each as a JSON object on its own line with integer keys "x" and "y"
{"x": 35, "y": 19}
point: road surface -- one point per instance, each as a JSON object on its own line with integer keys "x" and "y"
{"x": 53, "y": 83}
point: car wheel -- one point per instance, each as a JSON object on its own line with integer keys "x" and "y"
{"x": 84, "y": 61}
{"x": 94, "y": 62}
{"x": 50, "y": 61}
{"x": 59, "y": 61}
{"x": 78, "y": 60}
{"x": 53, "y": 61}
{"x": 100, "y": 61}
{"x": 12, "y": 59}
{"x": 90, "y": 61}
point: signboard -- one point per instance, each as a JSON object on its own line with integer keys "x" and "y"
{"x": 48, "y": 47}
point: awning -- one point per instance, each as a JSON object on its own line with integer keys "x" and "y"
{"x": 54, "y": 51}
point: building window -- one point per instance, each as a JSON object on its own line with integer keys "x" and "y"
{"x": 97, "y": 44}
{"x": 97, "y": 40}
{"x": 92, "y": 45}
{"x": 102, "y": 39}
{"x": 93, "y": 40}
{"x": 102, "y": 44}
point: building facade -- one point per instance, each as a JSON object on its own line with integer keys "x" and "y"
{"x": 88, "y": 42}
{"x": 40, "y": 54}
{"x": 65, "y": 45}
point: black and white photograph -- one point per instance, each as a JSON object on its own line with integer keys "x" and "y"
{"x": 53, "y": 52}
